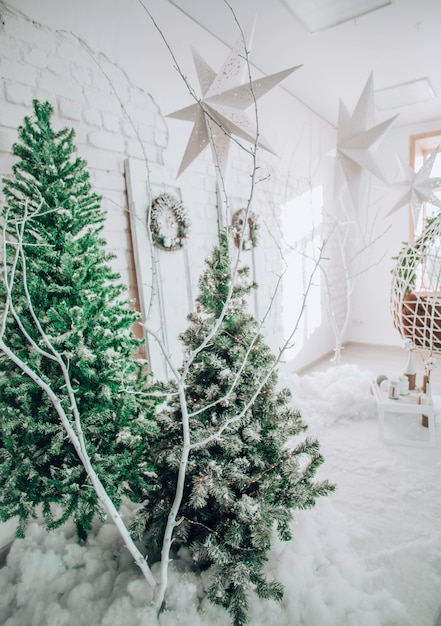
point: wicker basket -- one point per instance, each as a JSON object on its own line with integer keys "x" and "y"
{"x": 416, "y": 293}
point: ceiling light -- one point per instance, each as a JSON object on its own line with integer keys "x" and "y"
{"x": 318, "y": 15}
{"x": 404, "y": 94}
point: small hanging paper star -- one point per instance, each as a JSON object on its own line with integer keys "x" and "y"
{"x": 419, "y": 187}
{"x": 357, "y": 137}
{"x": 220, "y": 112}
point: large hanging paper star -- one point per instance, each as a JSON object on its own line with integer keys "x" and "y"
{"x": 357, "y": 138}
{"x": 220, "y": 112}
{"x": 419, "y": 187}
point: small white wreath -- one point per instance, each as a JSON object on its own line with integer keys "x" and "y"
{"x": 249, "y": 230}
{"x": 169, "y": 222}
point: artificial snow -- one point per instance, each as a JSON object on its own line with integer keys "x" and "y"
{"x": 367, "y": 555}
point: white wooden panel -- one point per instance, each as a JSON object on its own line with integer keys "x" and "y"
{"x": 163, "y": 277}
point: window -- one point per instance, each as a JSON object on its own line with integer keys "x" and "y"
{"x": 421, "y": 147}
{"x": 426, "y": 256}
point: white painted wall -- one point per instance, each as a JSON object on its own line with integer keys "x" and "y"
{"x": 106, "y": 68}
{"x": 47, "y": 58}
{"x": 111, "y": 77}
{"x": 371, "y": 319}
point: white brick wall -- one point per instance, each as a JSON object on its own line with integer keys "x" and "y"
{"x": 37, "y": 62}
{"x": 115, "y": 119}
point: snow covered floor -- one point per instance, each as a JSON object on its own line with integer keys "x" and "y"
{"x": 368, "y": 555}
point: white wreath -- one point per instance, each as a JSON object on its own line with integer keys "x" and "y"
{"x": 169, "y": 212}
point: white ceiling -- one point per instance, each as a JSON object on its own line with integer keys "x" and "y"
{"x": 399, "y": 43}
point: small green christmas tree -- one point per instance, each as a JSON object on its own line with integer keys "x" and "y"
{"x": 245, "y": 481}
{"x": 63, "y": 282}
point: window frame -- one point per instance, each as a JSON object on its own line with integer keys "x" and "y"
{"x": 421, "y": 146}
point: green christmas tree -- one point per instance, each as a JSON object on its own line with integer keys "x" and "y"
{"x": 64, "y": 292}
{"x": 246, "y": 480}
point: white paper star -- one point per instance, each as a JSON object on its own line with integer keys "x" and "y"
{"x": 357, "y": 137}
{"x": 220, "y": 112}
{"x": 419, "y": 187}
